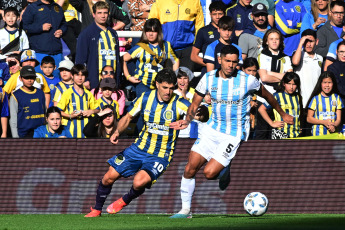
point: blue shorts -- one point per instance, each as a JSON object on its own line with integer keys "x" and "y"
{"x": 133, "y": 159}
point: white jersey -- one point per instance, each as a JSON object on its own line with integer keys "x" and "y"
{"x": 230, "y": 101}
{"x": 6, "y": 38}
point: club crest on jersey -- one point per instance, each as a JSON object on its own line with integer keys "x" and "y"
{"x": 168, "y": 115}
{"x": 187, "y": 11}
{"x": 114, "y": 40}
{"x": 167, "y": 12}
{"x": 41, "y": 9}
{"x": 38, "y": 80}
{"x": 250, "y": 16}
{"x": 298, "y": 9}
{"x": 56, "y": 8}
{"x": 119, "y": 159}
{"x": 51, "y": 86}
{"x": 320, "y": 64}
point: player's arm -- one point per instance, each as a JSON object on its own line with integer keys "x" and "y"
{"x": 192, "y": 109}
{"x": 121, "y": 126}
{"x": 273, "y": 102}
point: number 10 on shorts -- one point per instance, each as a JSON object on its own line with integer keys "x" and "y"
{"x": 158, "y": 166}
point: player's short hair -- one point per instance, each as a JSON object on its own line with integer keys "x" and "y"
{"x": 309, "y": 32}
{"x": 99, "y": 6}
{"x": 48, "y": 60}
{"x": 226, "y": 23}
{"x": 217, "y": 6}
{"x": 166, "y": 75}
{"x": 53, "y": 109}
{"x": 342, "y": 43}
{"x": 336, "y": 3}
{"x": 11, "y": 9}
{"x": 79, "y": 68}
{"x": 229, "y": 50}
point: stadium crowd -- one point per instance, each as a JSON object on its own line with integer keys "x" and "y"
{"x": 62, "y": 73}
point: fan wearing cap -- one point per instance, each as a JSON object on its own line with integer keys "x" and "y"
{"x": 66, "y": 82}
{"x": 184, "y": 76}
{"x": 108, "y": 87}
{"x": 250, "y": 40}
{"x": 28, "y": 58}
{"x": 27, "y": 105}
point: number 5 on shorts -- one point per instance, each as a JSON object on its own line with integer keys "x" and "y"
{"x": 229, "y": 148}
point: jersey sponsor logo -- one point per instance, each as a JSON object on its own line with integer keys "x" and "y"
{"x": 26, "y": 109}
{"x": 298, "y": 9}
{"x": 157, "y": 129}
{"x": 187, "y": 11}
{"x": 34, "y": 100}
{"x": 214, "y": 88}
{"x": 119, "y": 159}
{"x": 109, "y": 54}
{"x": 34, "y": 116}
{"x": 168, "y": 115}
{"x": 167, "y": 12}
{"x": 225, "y": 102}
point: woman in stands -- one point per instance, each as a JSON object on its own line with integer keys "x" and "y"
{"x": 317, "y": 17}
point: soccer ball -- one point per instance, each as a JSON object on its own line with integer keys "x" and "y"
{"x": 255, "y": 204}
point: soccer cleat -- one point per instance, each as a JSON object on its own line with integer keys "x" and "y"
{"x": 224, "y": 179}
{"x": 94, "y": 213}
{"x": 183, "y": 214}
{"x": 116, "y": 206}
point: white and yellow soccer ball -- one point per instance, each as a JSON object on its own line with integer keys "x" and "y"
{"x": 255, "y": 204}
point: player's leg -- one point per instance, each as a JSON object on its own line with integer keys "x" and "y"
{"x": 103, "y": 190}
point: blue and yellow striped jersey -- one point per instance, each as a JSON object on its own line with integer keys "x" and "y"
{"x": 156, "y": 137}
{"x": 71, "y": 101}
{"x": 291, "y": 105}
{"x": 59, "y": 89}
{"x": 325, "y": 108}
{"x": 147, "y": 65}
{"x": 102, "y": 102}
{"x": 106, "y": 50}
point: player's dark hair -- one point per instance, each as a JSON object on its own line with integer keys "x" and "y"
{"x": 309, "y": 32}
{"x": 226, "y": 23}
{"x": 14, "y": 55}
{"x": 48, "y": 60}
{"x": 317, "y": 90}
{"x": 217, "y": 6}
{"x": 203, "y": 113}
{"x": 11, "y": 9}
{"x": 336, "y": 3}
{"x": 79, "y": 68}
{"x": 342, "y": 43}
{"x": 53, "y": 109}
{"x": 101, "y": 131}
{"x": 153, "y": 25}
{"x": 289, "y": 76}
{"x": 281, "y": 39}
{"x": 229, "y": 50}
{"x": 250, "y": 62}
{"x": 166, "y": 75}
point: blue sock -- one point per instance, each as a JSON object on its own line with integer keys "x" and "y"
{"x": 132, "y": 194}
{"x": 102, "y": 193}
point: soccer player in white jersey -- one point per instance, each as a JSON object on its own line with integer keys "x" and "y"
{"x": 231, "y": 91}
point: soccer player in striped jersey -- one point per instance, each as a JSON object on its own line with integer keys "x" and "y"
{"x": 325, "y": 106}
{"x": 231, "y": 91}
{"x": 151, "y": 153}
{"x": 66, "y": 82}
{"x": 77, "y": 103}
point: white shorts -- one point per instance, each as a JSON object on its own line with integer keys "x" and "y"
{"x": 219, "y": 146}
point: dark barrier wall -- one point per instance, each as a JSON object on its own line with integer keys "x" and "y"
{"x": 61, "y": 176}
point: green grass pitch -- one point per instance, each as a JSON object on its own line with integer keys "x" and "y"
{"x": 144, "y": 221}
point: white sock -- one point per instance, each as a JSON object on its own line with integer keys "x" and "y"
{"x": 187, "y": 190}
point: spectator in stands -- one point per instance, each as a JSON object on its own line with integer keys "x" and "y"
{"x": 65, "y": 68}
{"x": 338, "y": 69}
{"x": 289, "y": 99}
{"x": 12, "y": 39}
{"x": 4, "y": 73}
{"x": 85, "y": 7}
{"x": 118, "y": 95}
{"x": 102, "y": 124}
{"x": 332, "y": 53}
{"x": 44, "y": 22}
{"x": 150, "y": 53}
{"x": 98, "y": 45}
{"x": 270, "y": 5}
{"x": 4, "y": 112}
{"x": 18, "y": 4}
{"x": 317, "y": 17}
{"x": 28, "y": 58}
{"x": 53, "y": 128}
{"x": 333, "y": 28}
{"x": 77, "y": 104}
{"x": 225, "y": 28}
{"x": 184, "y": 76}
{"x": 27, "y": 105}
{"x": 288, "y": 18}
{"x": 73, "y": 26}
{"x": 250, "y": 40}
{"x": 174, "y": 16}
{"x": 325, "y": 106}
{"x": 13, "y": 61}
{"x": 139, "y": 10}
{"x": 207, "y": 34}
{"x": 108, "y": 86}
{"x": 274, "y": 63}
{"x": 241, "y": 13}
{"x": 47, "y": 67}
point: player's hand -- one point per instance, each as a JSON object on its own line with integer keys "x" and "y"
{"x": 115, "y": 137}
{"x": 288, "y": 119}
{"x": 178, "y": 125}
{"x": 87, "y": 113}
{"x": 331, "y": 128}
{"x": 58, "y": 33}
{"x": 46, "y": 27}
{"x": 134, "y": 79}
{"x": 277, "y": 124}
{"x": 328, "y": 123}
